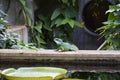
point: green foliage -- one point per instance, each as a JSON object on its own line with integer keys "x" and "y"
{"x": 93, "y": 75}
{"x": 111, "y": 29}
{"x": 117, "y": 1}
{"x": 64, "y": 15}
{"x": 10, "y": 40}
{"x": 3, "y": 22}
{"x": 57, "y": 24}
{"x": 38, "y": 35}
{"x": 7, "y": 40}
{"x": 69, "y": 2}
{"x": 21, "y": 45}
{"x": 26, "y": 10}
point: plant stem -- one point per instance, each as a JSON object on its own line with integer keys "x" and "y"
{"x": 101, "y": 46}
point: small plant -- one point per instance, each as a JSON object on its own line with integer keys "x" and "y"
{"x": 7, "y": 40}
{"x": 10, "y": 40}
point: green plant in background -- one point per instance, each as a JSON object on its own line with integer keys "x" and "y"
{"x": 10, "y": 40}
{"x": 6, "y": 39}
{"x": 117, "y": 1}
{"x": 111, "y": 30}
{"x": 58, "y": 23}
{"x": 63, "y": 19}
{"x": 93, "y": 75}
{"x": 3, "y": 22}
{"x": 26, "y": 11}
{"x": 41, "y": 31}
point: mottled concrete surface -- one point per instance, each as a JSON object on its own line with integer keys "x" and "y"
{"x": 74, "y": 60}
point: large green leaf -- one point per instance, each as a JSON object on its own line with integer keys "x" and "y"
{"x": 38, "y": 26}
{"x": 33, "y": 73}
{"x": 71, "y": 23}
{"x": 68, "y": 21}
{"x": 40, "y": 40}
{"x": 111, "y": 16}
{"x": 65, "y": 21}
{"x": 56, "y": 13}
{"x": 58, "y": 22}
{"x": 28, "y": 9}
{"x": 38, "y": 29}
{"x": 23, "y": 2}
{"x": 78, "y": 24}
{"x": 47, "y": 27}
{"x": 41, "y": 17}
{"x": 28, "y": 19}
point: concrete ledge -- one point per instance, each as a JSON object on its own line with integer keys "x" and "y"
{"x": 85, "y": 60}
{"x": 52, "y": 54}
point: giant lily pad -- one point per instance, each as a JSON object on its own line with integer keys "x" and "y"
{"x": 33, "y": 73}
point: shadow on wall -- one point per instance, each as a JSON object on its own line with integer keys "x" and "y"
{"x": 12, "y": 8}
{"x": 92, "y": 13}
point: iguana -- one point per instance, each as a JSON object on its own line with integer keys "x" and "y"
{"x": 64, "y": 46}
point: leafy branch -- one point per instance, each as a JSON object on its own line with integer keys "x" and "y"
{"x": 111, "y": 29}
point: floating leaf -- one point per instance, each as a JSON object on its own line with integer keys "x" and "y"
{"x": 33, "y": 73}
